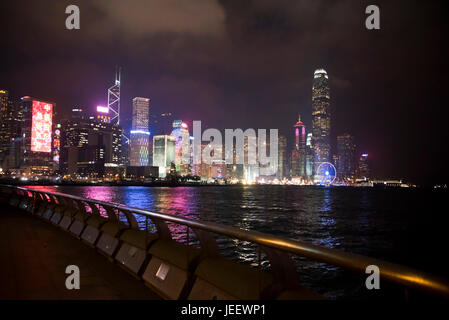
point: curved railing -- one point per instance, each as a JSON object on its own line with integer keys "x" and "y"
{"x": 276, "y": 248}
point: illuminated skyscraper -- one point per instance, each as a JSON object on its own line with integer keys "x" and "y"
{"x": 36, "y": 135}
{"x": 88, "y": 145}
{"x": 364, "y": 169}
{"x": 10, "y": 126}
{"x": 282, "y": 158}
{"x": 114, "y": 97}
{"x": 299, "y": 150}
{"x": 140, "y": 135}
{"x": 321, "y": 118}
{"x": 250, "y": 170}
{"x": 163, "y": 153}
{"x": 345, "y": 156}
{"x": 182, "y": 154}
{"x": 309, "y": 156}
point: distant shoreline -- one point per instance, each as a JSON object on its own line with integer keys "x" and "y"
{"x": 173, "y": 185}
{"x": 134, "y": 184}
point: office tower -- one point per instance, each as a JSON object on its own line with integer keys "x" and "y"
{"x": 321, "y": 118}
{"x": 36, "y": 134}
{"x": 163, "y": 153}
{"x": 182, "y": 153}
{"x": 77, "y": 114}
{"x": 10, "y": 130}
{"x": 299, "y": 150}
{"x": 309, "y": 156}
{"x": 267, "y": 171}
{"x": 364, "y": 168}
{"x": 89, "y": 146}
{"x": 140, "y": 135}
{"x": 345, "y": 156}
{"x": 282, "y": 158}
{"x": 4, "y": 101}
{"x": 203, "y": 169}
{"x": 6, "y": 112}
{"x": 334, "y": 160}
{"x": 251, "y": 165}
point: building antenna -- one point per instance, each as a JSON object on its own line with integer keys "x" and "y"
{"x": 114, "y": 97}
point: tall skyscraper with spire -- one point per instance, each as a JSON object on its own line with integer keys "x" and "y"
{"x": 321, "y": 118}
{"x": 299, "y": 150}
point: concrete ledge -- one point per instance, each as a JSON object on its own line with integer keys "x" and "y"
{"x": 170, "y": 271}
{"x": 91, "y": 233}
{"x": 220, "y": 278}
{"x": 133, "y": 252}
{"x": 108, "y": 242}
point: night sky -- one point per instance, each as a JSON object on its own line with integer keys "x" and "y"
{"x": 248, "y": 64}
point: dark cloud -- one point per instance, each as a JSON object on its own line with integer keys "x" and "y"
{"x": 248, "y": 64}
{"x": 139, "y": 18}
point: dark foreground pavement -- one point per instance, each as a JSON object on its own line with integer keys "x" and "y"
{"x": 34, "y": 255}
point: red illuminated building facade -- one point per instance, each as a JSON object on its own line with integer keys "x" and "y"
{"x": 36, "y": 135}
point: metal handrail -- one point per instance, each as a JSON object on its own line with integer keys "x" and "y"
{"x": 392, "y": 272}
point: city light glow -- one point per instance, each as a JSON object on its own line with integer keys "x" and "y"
{"x": 140, "y": 131}
{"x": 102, "y": 109}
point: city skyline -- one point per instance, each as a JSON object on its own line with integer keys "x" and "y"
{"x": 88, "y": 153}
{"x": 141, "y": 148}
{"x": 379, "y": 95}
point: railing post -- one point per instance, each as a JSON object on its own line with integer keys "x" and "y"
{"x": 283, "y": 268}
{"x": 131, "y": 219}
{"x": 33, "y": 206}
{"x": 208, "y": 243}
{"x": 259, "y": 267}
{"x": 146, "y": 231}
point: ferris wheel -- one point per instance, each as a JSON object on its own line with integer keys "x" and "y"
{"x": 326, "y": 173}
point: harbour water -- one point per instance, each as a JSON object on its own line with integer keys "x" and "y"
{"x": 408, "y": 226}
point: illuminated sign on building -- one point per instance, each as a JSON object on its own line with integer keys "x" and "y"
{"x": 102, "y": 118}
{"x": 177, "y": 124}
{"x": 41, "y": 126}
{"x": 57, "y": 144}
{"x": 140, "y": 131}
{"x": 102, "y": 109}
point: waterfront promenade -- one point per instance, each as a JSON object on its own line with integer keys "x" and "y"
{"x": 43, "y": 232}
{"x": 34, "y": 255}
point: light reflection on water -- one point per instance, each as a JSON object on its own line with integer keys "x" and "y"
{"x": 379, "y": 223}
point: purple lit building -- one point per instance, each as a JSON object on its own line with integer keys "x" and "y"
{"x": 299, "y": 150}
